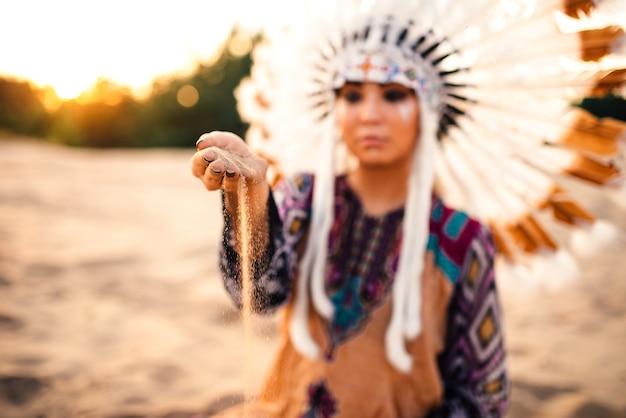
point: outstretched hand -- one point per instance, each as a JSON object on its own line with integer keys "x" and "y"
{"x": 222, "y": 158}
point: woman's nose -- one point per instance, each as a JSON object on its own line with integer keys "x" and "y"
{"x": 370, "y": 107}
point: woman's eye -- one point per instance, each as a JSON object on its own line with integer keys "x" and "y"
{"x": 395, "y": 95}
{"x": 352, "y": 96}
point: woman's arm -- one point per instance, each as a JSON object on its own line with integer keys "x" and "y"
{"x": 224, "y": 162}
{"x": 473, "y": 363}
{"x": 274, "y": 264}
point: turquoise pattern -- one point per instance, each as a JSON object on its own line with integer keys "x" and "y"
{"x": 349, "y": 310}
{"x": 455, "y": 224}
{"x": 451, "y": 269}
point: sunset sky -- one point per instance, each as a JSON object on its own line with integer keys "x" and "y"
{"x": 68, "y": 44}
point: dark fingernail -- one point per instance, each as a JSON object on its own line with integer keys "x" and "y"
{"x": 230, "y": 173}
{"x": 216, "y": 170}
{"x": 206, "y": 160}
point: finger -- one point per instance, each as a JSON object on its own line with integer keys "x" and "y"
{"x": 223, "y": 174}
{"x": 202, "y": 159}
{"x": 203, "y": 142}
{"x": 208, "y": 157}
{"x": 225, "y": 140}
{"x": 214, "y": 176}
{"x": 200, "y": 162}
{"x": 231, "y": 179}
{"x": 198, "y": 165}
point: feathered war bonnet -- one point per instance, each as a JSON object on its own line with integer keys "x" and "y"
{"x": 496, "y": 82}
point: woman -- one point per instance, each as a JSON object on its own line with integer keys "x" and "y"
{"x": 390, "y": 304}
{"x": 458, "y": 359}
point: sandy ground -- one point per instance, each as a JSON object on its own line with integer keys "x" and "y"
{"x": 111, "y": 305}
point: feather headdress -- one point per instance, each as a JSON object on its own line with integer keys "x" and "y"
{"x": 501, "y": 137}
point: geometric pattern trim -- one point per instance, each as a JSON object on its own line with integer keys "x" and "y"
{"x": 474, "y": 356}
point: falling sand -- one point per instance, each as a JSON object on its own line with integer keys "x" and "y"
{"x": 245, "y": 235}
{"x": 246, "y": 248}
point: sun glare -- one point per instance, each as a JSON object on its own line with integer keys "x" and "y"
{"x": 129, "y": 43}
{"x": 68, "y": 89}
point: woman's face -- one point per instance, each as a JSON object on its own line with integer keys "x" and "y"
{"x": 379, "y": 123}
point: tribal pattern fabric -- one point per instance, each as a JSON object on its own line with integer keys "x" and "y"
{"x": 363, "y": 257}
{"x": 474, "y": 356}
{"x": 271, "y": 286}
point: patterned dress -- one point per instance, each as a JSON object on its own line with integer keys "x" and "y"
{"x": 459, "y": 367}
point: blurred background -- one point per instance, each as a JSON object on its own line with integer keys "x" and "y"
{"x": 111, "y": 304}
{"x": 124, "y": 74}
{"x": 135, "y": 74}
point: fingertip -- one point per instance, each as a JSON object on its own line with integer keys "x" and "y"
{"x": 200, "y": 143}
{"x": 230, "y": 173}
{"x": 231, "y": 180}
{"x": 215, "y": 170}
{"x": 194, "y": 167}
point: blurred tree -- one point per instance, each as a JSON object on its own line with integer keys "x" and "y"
{"x": 21, "y": 108}
{"x": 95, "y": 124}
{"x": 101, "y": 117}
{"x": 165, "y": 121}
{"x": 177, "y": 111}
{"x": 112, "y": 118}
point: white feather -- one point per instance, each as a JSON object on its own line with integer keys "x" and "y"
{"x": 589, "y": 240}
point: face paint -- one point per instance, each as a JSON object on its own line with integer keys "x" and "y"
{"x": 406, "y": 111}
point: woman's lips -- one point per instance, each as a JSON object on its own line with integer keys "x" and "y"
{"x": 372, "y": 141}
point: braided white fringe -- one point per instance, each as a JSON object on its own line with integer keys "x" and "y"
{"x": 406, "y": 318}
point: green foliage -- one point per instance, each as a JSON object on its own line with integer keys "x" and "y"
{"x": 95, "y": 124}
{"x": 20, "y": 108}
{"x": 164, "y": 122}
{"x": 109, "y": 116}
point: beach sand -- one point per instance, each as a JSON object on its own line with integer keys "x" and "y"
{"x": 111, "y": 303}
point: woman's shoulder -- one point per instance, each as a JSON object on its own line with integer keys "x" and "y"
{"x": 293, "y": 192}
{"x": 301, "y": 184}
{"x": 455, "y": 236}
{"x": 298, "y": 184}
{"x": 452, "y": 223}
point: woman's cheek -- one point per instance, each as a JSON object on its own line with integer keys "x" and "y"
{"x": 407, "y": 111}
{"x": 341, "y": 116}
{"x": 340, "y": 111}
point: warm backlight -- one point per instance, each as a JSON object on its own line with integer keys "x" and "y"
{"x": 71, "y": 44}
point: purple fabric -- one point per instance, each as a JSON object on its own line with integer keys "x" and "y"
{"x": 363, "y": 258}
